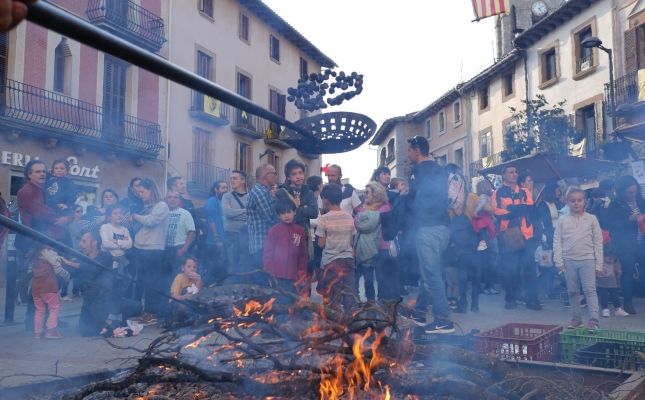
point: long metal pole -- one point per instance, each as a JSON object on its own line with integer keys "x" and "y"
{"x": 57, "y": 20}
{"x": 611, "y": 89}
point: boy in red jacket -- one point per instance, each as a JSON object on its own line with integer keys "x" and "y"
{"x": 285, "y": 251}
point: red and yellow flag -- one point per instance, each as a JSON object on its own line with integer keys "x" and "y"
{"x": 488, "y": 8}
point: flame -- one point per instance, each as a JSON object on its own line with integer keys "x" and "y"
{"x": 196, "y": 343}
{"x": 357, "y": 374}
{"x": 254, "y": 308}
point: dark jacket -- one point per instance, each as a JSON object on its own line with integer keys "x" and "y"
{"x": 544, "y": 225}
{"x": 463, "y": 239}
{"x": 624, "y": 233}
{"x": 429, "y": 194}
{"x": 61, "y": 190}
{"x": 308, "y": 204}
{"x": 99, "y": 295}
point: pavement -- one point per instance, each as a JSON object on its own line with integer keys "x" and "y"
{"x": 26, "y": 360}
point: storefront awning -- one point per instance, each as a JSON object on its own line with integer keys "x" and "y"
{"x": 548, "y": 167}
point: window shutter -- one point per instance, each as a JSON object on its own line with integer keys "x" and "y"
{"x": 4, "y": 52}
{"x": 282, "y": 105}
{"x": 631, "y": 54}
{"x": 600, "y": 123}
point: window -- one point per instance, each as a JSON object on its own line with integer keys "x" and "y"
{"x": 114, "y": 89}
{"x": 429, "y": 128}
{"x": 583, "y": 57}
{"x": 483, "y": 99}
{"x": 204, "y": 65}
{"x": 485, "y": 144}
{"x": 507, "y": 84}
{"x": 244, "y": 158}
{"x": 203, "y": 148}
{"x": 456, "y": 112}
{"x": 390, "y": 150}
{"x": 586, "y": 123}
{"x": 383, "y": 156}
{"x": 459, "y": 158}
{"x": 243, "y": 85}
{"x": 442, "y": 160}
{"x": 304, "y": 68}
{"x": 62, "y": 67}
{"x": 274, "y": 48}
{"x": 277, "y": 104}
{"x": 4, "y": 53}
{"x": 442, "y": 121}
{"x": 207, "y": 7}
{"x": 549, "y": 69}
{"x": 205, "y": 70}
{"x": 243, "y": 30}
{"x": 244, "y": 90}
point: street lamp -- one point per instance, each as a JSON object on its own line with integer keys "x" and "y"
{"x": 591, "y": 42}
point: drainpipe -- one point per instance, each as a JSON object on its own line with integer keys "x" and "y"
{"x": 165, "y": 164}
{"x": 469, "y": 134}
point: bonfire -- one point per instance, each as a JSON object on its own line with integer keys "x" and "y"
{"x": 248, "y": 345}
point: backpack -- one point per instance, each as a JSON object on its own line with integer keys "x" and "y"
{"x": 456, "y": 192}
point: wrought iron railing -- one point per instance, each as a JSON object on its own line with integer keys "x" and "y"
{"x": 485, "y": 162}
{"x": 62, "y": 115}
{"x": 251, "y": 122}
{"x": 625, "y": 90}
{"x": 205, "y": 174}
{"x": 584, "y": 63}
{"x": 130, "y": 20}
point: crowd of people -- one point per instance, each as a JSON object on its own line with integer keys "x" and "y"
{"x": 428, "y": 231}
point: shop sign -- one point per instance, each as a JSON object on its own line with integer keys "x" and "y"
{"x": 75, "y": 169}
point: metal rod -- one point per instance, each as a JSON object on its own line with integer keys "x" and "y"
{"x": 57, "y": 20}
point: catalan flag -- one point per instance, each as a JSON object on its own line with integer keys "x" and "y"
{"x": 488, "y": 8}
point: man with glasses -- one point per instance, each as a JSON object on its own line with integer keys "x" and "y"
{"x": 234, "y": 207}
{"x": 429, "y": 208}
{"x": 351, "y": 202}
{"x": 261, "y": 215}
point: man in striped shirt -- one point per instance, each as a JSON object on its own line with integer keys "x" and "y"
{"x": 261, "y": 215}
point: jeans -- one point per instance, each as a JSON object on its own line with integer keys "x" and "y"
{"x": 519, "y": 267}
{"x": 431, "y": 242}
{"x": 607, "y": 294}
{"x": 387, "y": 276}
{"x": 152, "y": 280}
{"x": 581, "y": 273}
{"x": 366, "y": 270}
{"x": 337, "y": 284}
{"x": 469, "y": 270}
{"x": 629, "y": 257}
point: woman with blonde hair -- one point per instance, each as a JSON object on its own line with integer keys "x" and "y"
{"x": 373, "y": 255}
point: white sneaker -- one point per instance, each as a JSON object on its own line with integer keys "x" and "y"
{"x": 482, "y": 245}
{"x": 66, "y": 299}
{"x": 606, "y": 313}
{"x": 619, "y": 312}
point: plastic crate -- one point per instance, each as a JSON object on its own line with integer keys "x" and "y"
{"x": 520, "y": 341}
{"x": 610, "y": 355}
{"x": 574, "y": 339}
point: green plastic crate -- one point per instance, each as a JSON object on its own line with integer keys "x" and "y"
{"x": 574, "y": 339}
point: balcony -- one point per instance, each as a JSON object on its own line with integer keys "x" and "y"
{"x": 625, "y": 90}
{"x": 204, "y": 175}
{"x": 484, "y": 162}
{"x": 210, "y": 110}
{"x": 53, "y": 114}
{"x": 250, "y": 125}
{"x": 128, "y": 20}
{"x": 584, "y": 66}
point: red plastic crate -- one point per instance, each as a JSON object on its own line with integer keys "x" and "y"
{"x": 521, "y": 342}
